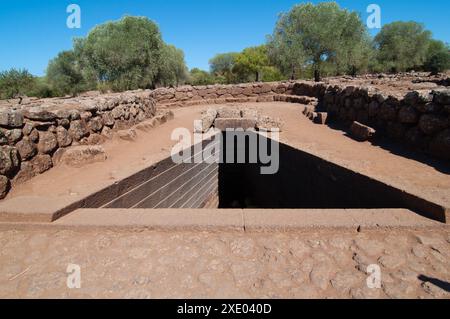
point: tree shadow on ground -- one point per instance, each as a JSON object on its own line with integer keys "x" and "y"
{"x": 398, "y": 149}
{"x": 438, "y": 283}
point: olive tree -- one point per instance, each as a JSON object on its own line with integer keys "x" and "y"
{"x": 402, "y": 46}
{"x": 64, "y": 74}
{"x": 437, "y": 57}
{"x": 310, "y": 35}
{"x": 222, "y": 66}
{"x": 126, "y": 53}
{"x": 173, "y": 70}
{"x": 15, "y": 83}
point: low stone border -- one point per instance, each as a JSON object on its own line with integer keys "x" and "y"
{"x": 253, "y": 220}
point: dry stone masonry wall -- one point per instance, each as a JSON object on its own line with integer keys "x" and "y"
{"x": 420, "y": 119}
{"x": 34, "y": 134}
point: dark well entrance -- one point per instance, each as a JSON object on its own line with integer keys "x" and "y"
{"x": 307, "y": 181}
{"x": 301, "y": 181}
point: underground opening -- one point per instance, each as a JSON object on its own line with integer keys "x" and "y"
{"x": 301, "y": 180}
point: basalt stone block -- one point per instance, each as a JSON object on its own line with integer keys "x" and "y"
{"x": 269, "y": 124}
{"x": 63, "y": 137}
{"x": 3, "y": 139}
{"x": 408, "y": 115}
{"x": 206, "y": 122}
{"x": 26, "y": 149}
{"x": 442, "y": 97}
{"x": 40, "y": 115}
{"x": 127, "y": 135}
{"x": 228, "y": 112}
{"x": 13, "y": 136}
{"x": 11, "y": 119}
{"x": 234, "y": 123}
{"x": 321, "y": 118}
{"x": 47, "y": 142}
{"x": 81, "y": 155}
{"x": 4, "y": 186}
{"x": 430, "y": 124}
{"x": 416, "y": 98}
{"x": 440, "y": 145}
{"x": 9, "y": 160}
{"x": 41, "y": 163}
{"x": 96, "y": 124}
{"x": 361, "y": 132}
{"x": 78, "y": 130}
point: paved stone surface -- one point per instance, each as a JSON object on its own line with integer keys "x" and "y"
{"x": 310, "y": 264}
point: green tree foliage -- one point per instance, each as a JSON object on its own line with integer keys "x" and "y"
{"x": 315, "y": 34}
{"x": 173, "y": 70}
{"x": 437, "y": 57}
{"x": 126, "y": 54}
{"x": 253, "y": 64}
{"x": 200, "y": 77}
{"x": 222, "y": 66}
{"x": 64, "y": 74}
{"x": 402, "y": 46}
{"x": 16, "y": 83}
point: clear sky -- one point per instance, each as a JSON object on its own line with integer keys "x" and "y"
{"x": 34, "y": 31}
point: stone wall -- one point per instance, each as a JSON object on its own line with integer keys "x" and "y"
{"x": 33, "y": 135}
{"x": 219, "y": 94}
{"x": 420, "y": 119}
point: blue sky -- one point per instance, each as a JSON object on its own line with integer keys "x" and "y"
{"x": 34, "y": 31}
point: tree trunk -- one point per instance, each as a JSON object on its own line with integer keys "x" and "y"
{"x": 293, "y": 77}
{"x": 317, "y": 75}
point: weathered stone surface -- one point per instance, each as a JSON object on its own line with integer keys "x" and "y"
{"x": 11, "y": 119}
{"x": 387, "y": 112}
{"x": 107, "y": 132}
{"x": 228, "y": 112}
{"x": 94, "y": 139}
{"x": 78, "y": 130}
{"x": 206, "y": 122}
{"x": 127, "y": 135}
{"x": 234, "y": 123}
{"x": 13, "y": 136}
{"x": 108, "y": 119}
{"x": 96, "y": 124}
{"x": 408, "y": 115}
{"x": 63, "y": 137}
{"x": 40, "y": 115}
{"x": 417, "y": 98}
{"x": 321, "y": 118}
{"x": 86, "y": 116}
{"x": 41, "y": 163}
{"x": 430, "y": 124}
{"x": 118, "y": 112}
{"x": 9, "y": 160}
{"x": 147, "y": 126}
{"x": 361, "y": 132}
{"x": 269, "y": 124}
{"x": 47, "y": 142}
{"x": 34, "y": 136}
{"x": 440, "y": 145}
{"x": 3, "y": 139}
{"x": 78, "y": 156}
{"x": 442, "y": 97}
{"x": 4, "y": 186}
{"x": 27, "y": 128}
{"x": 26, "y": 149}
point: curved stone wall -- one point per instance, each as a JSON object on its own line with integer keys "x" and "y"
{"x": 32, "y": 135}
